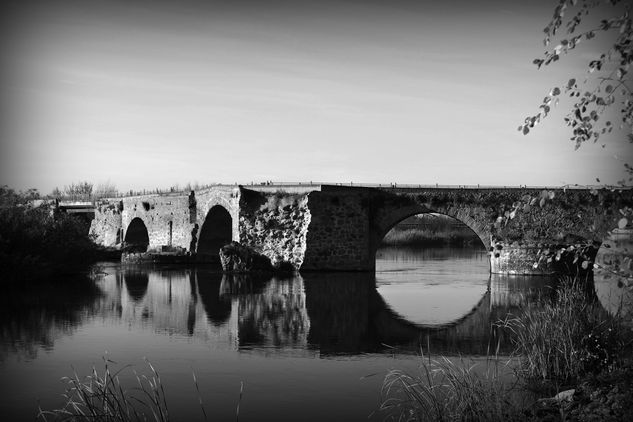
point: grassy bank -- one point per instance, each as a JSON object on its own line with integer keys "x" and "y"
{"x": 429, "y": 230}
{"x": 35, "y": 241}
{"x": 565, "y": 343}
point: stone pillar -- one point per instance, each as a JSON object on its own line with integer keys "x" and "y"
{"x": 526, "y": 259}
{"x": 613, "y": 273}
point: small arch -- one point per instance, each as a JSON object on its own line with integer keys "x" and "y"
{"x": 216, "y": 231}
{"x": 136, "y": 236}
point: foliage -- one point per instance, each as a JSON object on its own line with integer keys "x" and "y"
{"x": 447, "y": 391}
{"x": 608, "y": 86}
{"x": 101, "y": 397}
{"x": 564, "y": 339}
{"x": 78, "y": 191}
{"x": 104, "y": 190}
{"x": 33, "y": 238}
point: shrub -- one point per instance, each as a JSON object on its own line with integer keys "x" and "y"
{"x": 563, "y": 338}
{"x": 33, "y": 239}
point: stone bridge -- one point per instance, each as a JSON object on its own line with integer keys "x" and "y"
{"x": 339, "y": 228}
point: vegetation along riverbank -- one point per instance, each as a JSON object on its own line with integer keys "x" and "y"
{"x": 574, "y": 360}
{"x": 36, "y": 241}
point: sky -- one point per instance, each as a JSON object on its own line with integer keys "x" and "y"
{"x": 145, "y": 94}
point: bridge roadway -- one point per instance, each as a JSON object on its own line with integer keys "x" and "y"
{"x": 318, "y": 227}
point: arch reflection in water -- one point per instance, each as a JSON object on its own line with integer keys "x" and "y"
{"x": 233, "y": 311}
{"x": 136, "y": 282}
{"x": 335, "y": 313}
{"x": 425, "y": 289}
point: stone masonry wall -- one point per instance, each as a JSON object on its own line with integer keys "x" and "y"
{"x": 165, "y": 216}
{"x": 275, "y": 224}
{"x": 338, "y": 237}
{"x": 106, "y": 225}
{"x": 534, "y": 231}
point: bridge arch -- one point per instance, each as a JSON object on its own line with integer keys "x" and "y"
{"x": 216, "y": 231}
{"x": 136, "y": 236}
{"x": 396, "y": 215}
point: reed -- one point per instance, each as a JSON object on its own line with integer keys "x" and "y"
{"x": 565, "y": 337}
{"x": 447, "y": 391}
{"x": 102, "y": 397}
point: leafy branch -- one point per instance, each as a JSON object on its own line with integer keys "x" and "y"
{"x": 610, "y": 87}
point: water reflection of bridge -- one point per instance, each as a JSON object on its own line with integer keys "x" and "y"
{"x": 337, "y": 313}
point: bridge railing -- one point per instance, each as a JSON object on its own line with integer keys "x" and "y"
{"x": 395, "y": 185}
{"x": 270, "y": 185}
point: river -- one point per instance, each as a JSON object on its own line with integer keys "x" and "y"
{"x": 314, "y": 346}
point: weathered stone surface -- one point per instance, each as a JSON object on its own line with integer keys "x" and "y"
{"x": 238, "y": 258}
{"x": 275, "y": 223}
{"x": 528, "y": 231}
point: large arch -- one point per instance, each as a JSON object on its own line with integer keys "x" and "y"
{"x": 391, "y": 219}
{"x": 136, "y": 236}
{"x": 216, "y": 231}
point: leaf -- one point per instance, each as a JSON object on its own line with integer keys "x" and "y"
{"x": 585, "y": 265}
{"x": 622, "y": 223}
{"x": 571, "y": 83}
{"x": 542, "y": 202}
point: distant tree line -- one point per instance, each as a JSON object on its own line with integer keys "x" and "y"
{"x": 85, "y": 191}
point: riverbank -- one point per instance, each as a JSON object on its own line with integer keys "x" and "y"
{"x": 604, "y": 397}
{"x": 575, "y": 360}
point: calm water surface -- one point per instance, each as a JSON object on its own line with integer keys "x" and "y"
{"x": 308, "y": 347}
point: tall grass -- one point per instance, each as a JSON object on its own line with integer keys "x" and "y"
{"x": 448, "y": 391}
{"x": 101, "y": 397}
{"x": 561, "y": 339}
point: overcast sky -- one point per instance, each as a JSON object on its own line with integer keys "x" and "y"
{"x": 150, "y": 94}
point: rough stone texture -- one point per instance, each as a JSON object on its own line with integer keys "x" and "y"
{"x": 275, "y": 224}
{"x": 172, "y": 220}
{"x": 531, "y": 231}
{"x": 227, "y": 197}
{"x": 528, "y": 231}
{"x": 243, "y": 259}
{"x": 338, "y": 236}
{"x": 106, "y": 225}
